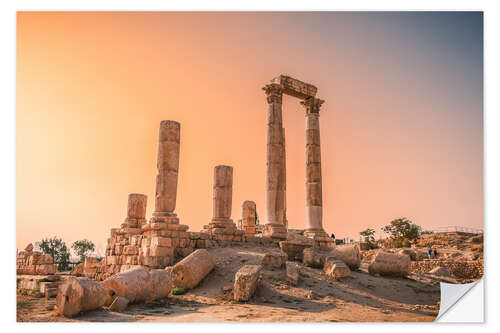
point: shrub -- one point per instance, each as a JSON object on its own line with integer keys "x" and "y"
{"x": 402, "y": 232}
{"x": 83, "y": 248}
{"x": 179, "y": 291}
{"x": 58, "y": 250}
{"x": 313, "y": 264}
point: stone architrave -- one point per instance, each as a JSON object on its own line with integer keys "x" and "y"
{"x": 168, "y": 168}
{"x": 275, "y": 173}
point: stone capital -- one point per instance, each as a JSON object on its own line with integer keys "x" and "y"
{"x": 274, "y": 93}
{"x": 312, "y": 105}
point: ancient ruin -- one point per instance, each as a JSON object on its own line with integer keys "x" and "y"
{"x": 222, "y": 227}
{"x": 276, "y": 224}
{"x": 248, "y": 218}
{"x": 145, "y": 260}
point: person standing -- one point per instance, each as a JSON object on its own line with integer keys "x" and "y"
{"x": 429, "y": 253}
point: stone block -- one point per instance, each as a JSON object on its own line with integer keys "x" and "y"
{"x": 274, "y": 260}
{"x": 390, "y": 264}
{"x": 245, "y": 282}
{"x": 161, "y": 251}
{"x": 335, "y": 269}
{"x": 292, "y": 273}
{"x": 161, "y": 241}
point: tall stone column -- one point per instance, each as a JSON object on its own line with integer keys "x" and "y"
{"x": 314, "y": 200}
{"x": 168, "y": 168}
{"x": 284, "y": 219}
{"x": 275, "y": 174}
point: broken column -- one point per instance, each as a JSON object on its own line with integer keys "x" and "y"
{"x": 223, "y": 195}
{"x": 136, "y": 210}
{"x": 221, "y": 226}
{"x": 248, "y": 217}
{"x": 314, "y": 200}
{"x": 275, "y": 173}
{"x": 79, "y": 294}
{"x": 189, "y": 272}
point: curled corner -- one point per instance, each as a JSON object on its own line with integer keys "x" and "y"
{"x": 451, "y": 295}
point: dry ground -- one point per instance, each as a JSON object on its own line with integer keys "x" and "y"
{"x": 359, "y": 298}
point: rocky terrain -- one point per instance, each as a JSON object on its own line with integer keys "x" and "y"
{"x": 360, "y": 297}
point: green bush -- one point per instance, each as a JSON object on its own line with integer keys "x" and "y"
{"x": 313, "y": 264}
{"x": 179, "y": 291}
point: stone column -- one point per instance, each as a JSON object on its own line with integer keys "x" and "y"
{"x": 223, "y": 197}
{"x": 314, "y": 201}
{"x": 136, "y": 210}
{"x": 284, "y": 219}
{"x": 275, "y": 182}
{"x": 248, "y": 217}
{"x": 168, "y": 167}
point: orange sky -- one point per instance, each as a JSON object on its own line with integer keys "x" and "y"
{"x": 401, "y": 128}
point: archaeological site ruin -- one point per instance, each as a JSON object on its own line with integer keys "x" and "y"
{"x": 147, "y": 258}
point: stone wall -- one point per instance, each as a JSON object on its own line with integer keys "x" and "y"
{"x": 34, "y": 263}
{"x": 470, "y": 269}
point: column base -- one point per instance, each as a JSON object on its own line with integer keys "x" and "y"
{"x": 222, "y": 226}
{"x": 165, "y": 217}
{"x": 274, "y": 230}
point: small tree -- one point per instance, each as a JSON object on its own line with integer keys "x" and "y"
{"x": 368, "y": 237}
{"x": 83, "y": 248}
{"x": 58, "y": 250}
{"x": 402, "y": 232}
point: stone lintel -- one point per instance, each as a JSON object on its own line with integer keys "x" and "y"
{"x": 294, "y": 87}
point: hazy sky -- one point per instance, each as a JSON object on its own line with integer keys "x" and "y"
{"x": 401, "y": 128}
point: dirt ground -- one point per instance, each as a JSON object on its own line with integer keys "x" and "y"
{"x": 360, "y": 297}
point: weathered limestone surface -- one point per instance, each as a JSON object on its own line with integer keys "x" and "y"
{"x": 293, "y": 250}
{"x": 222, "y": 228}
{"x": 168, "y": 168}
{"x": 119, "y": 304}
{"x": 390, "y": 264}
{"x": 161, "y": 280}
{"x": 314, "y": 200}
{"x": 349, "y": 254}
{"x": 275, "y": 167}
{"x": 136, "y": 285}
{"x": 34, "y": 262}
{"x": 312, "y": 257}
{"x": 294, "y": 87}
{"x": 292, "y": 273}
{"x": 248, "y": 217}
{"x": 139, "y": 284}
{"x": 222, "y": 193}
{"x": 191, "y": 270}
{"x": 335, "y": 269}
{"x": 137, "y": 205}
{"x": 274, "y": 260}
{"x": 79, "y": 294}
{"x": 245, "y": 282}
